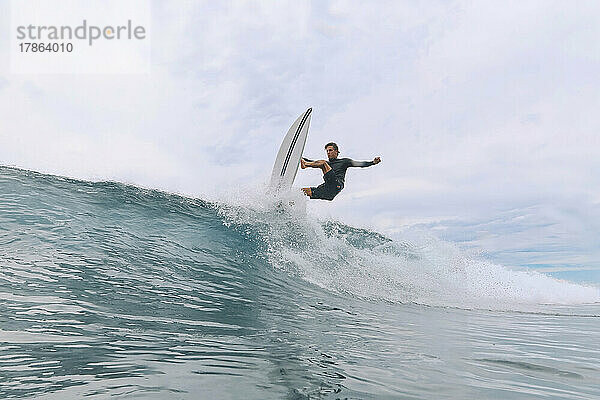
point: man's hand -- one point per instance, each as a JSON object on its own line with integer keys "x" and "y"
{"x": 376, "y": 160}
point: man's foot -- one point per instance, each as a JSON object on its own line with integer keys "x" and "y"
{"x": 302, "y": 164}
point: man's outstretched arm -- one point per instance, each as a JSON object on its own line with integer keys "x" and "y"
{"x": 376, "y": 160}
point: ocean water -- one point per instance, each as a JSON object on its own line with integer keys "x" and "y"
{"x": 112, "y": 291}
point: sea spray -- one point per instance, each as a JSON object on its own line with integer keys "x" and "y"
{"x": 366, "y": 264}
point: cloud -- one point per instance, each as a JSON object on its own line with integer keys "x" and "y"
{"x": 472, "y": 106}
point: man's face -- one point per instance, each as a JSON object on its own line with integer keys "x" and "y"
{"x": 331, "y": 152}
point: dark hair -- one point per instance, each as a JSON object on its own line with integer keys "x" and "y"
{"x": 332, "y": 144}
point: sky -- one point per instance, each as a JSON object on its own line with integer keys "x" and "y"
{"x": 482, "y": 112}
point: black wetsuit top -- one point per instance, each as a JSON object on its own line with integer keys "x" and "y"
{"x": 334, "y": 179}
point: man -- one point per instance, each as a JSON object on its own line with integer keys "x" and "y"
{"x": 334, "y": 172}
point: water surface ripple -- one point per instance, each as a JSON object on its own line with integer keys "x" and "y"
{"x": 108, "y": 290}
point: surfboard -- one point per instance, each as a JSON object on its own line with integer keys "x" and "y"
{"x": 290, "y": 151}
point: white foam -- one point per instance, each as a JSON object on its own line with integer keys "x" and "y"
{"x": 363, "y": 263}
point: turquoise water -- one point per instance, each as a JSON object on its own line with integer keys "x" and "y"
{"x": 108, "y": 290}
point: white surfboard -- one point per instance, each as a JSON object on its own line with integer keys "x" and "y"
{"x": 288, "y": 156}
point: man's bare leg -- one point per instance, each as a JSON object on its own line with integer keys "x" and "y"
{"x": 322, "y": 164}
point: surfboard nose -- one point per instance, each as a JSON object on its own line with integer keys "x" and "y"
{"x": 288, "y": 156}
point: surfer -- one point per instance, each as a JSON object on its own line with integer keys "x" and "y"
{"x": 334, "y": 172}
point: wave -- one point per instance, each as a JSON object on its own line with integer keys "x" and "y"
{"x": 129, "y": 230}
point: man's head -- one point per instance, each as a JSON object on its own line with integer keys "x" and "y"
{"x": 332, "y": 150}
